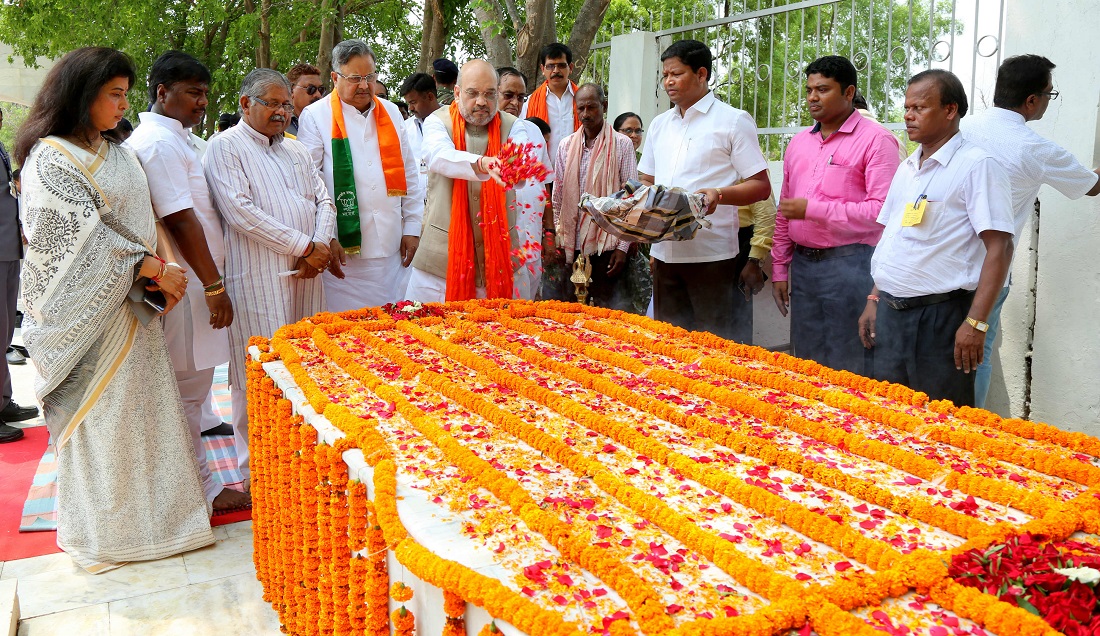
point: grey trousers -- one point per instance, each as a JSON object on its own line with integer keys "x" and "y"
{"x": 827, "y": 298}
{"x": 9, "y": 295}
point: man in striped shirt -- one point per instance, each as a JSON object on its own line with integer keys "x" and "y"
{"x": 278, "y": 218}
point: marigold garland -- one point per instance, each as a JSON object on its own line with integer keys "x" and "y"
{"x": 320, "y": 545}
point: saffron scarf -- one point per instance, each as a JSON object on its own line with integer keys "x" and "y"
{"x": 461, "y": 270}
{"x": 536, "y": 104}
{"x": 343, "y": 173}
{"x": 577, "y": 229}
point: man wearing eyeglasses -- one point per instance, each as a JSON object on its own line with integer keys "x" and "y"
{"x": 1024, "y": 90}
{"x": 470, "y": 232}
{"x": 372, "y": 172}
{"x": 533, "y": 202}
{"x": 554, "y": 102}
{"x": 305, "y": 88}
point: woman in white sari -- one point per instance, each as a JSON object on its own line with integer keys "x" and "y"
{"x": 128, "y": 487}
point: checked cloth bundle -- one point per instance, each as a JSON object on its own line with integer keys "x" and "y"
{"x": 648, "y": 214}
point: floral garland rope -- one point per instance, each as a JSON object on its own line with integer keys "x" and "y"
{"x": 387, "y": 531}
{"x": 395, "y": 508}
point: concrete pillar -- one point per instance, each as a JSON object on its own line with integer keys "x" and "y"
{"x": 1065, "y": 370}
{"x": 18, "y": 83}
{"x": 635, "y": 70}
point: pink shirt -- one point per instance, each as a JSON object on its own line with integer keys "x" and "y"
{"x": 844, "y": 179}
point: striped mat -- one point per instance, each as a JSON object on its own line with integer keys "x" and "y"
{"x": 40, "y": 509}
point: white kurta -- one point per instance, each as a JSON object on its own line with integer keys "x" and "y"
{"x": 274, "y": 204}
{"x": 173, "y": 167}
{"x": 375, "y": 275}
{"x": 530, "y": 207}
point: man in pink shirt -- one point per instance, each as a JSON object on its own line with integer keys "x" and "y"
{"x": 835, "y": 178}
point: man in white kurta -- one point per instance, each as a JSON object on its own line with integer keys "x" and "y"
{"x": 278, "y": 217}
{"x": 389, "y": 225}
{"x": 194, "y": 331}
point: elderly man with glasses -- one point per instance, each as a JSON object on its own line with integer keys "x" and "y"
{"x": 469, "y": 248}
{"x": 305, "y": 88}
{"x": 371, "y": 169}
{"x": 278, "y": 218}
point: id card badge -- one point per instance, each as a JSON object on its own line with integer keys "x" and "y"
{"x": 914, "y": 213}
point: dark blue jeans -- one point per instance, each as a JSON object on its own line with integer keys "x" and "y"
{"x": 827, "y": 298}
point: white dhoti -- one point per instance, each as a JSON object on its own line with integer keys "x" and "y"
{"x": 193, "y": 377}
{"x": 367, "y": 282}
{"x": 429, "y": 288}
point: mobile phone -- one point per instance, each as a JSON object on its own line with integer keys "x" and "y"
{"x": 156, "y": 300}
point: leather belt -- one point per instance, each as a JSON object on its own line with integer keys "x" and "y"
{"x": 823, "y": 253}
{"x": 901, "y": 304}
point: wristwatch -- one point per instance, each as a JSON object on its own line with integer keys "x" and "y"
{"x": 977, "y": 324}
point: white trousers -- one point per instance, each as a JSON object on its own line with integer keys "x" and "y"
{"x": 240, "y": 428}
{"x": 198, "y": 407}
{"x": 367, "y": 282}
{"x": 429, "y": 288}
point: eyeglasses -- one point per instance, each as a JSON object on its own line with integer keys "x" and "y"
{"x": 560, "y": 66}
{"x": 1053, "y": 95}
{"x": 490, "y": 96}
{"x": 509, "y": 96}
{"x": 358, "y": 79}
{"x": 311, "y": 89}
{"x": 287, "y": 106}
{"x": 632, "y": 131}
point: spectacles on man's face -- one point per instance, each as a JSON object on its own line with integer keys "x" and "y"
{"x": 1053, "y": 95}
{"x": 358, "y": 79}
{"x": 558, "y": 66}
{"x": 287, "y": 106}
{"x": 490, "y": 95}
{"x": 311, "y": 89}
{"x": 632, "y": 131}
{"x": 510, "y": 96}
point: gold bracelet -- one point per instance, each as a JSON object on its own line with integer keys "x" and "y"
{"x": 220, "y": 290}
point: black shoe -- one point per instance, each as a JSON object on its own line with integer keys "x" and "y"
{"x": 21, "y": 349}
{"x": 15, "y": 413}
{"x": 10, "y": 434}
{"x": 14, "y": 357}
{"x": 225, "y": 428}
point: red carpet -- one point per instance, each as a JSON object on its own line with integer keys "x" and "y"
{"x": 18, "y": 463}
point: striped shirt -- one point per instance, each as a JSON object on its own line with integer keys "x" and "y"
{"x": 273, "y": 203}
{"x": 627, "y": 170}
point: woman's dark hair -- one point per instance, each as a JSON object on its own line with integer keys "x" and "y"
{"x": 691, "y": 53}
{"x": 621, "y": 119}
{"x": 64, "y": 103}
{"x": 175, "y": 66}
{"x": 1020, "y": 77}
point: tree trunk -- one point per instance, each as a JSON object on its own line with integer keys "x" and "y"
{"x": 491, "y": 22}
{"x": 588, "y": 22}
{"x": 263, "y": 48}
{"x": 326, "y": 40}
{"x": 531, "y": 38}
{"x": 434, "y": 35}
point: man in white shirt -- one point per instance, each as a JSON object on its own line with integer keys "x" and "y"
{"x": 374, "y": 183}
{"x": 278, "y": 217}
{"x": 470, "y": 231}
{"x": 944, "y": 252}
{"x": 533, "y": 201}
{"x": 554, "y": 101}
{"x": 1024, "y": 90}
{"x": 707, "y": 146}
{"x": 418, "y": 90}
{"x": 195, "y": 331}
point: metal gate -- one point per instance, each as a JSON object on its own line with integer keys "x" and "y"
{"x": 761, "y": 48}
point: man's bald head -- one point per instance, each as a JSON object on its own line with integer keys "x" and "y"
{"x": 476, "y": 92}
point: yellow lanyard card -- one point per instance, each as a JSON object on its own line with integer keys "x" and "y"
{"x": 914, "y": 213}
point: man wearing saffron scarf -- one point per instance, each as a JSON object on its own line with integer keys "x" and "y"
{"x": 360, "y": 144}
{"x": 555, "y": 101}
{"x": 470, "y": 245}
{"x": 596, "y": 160}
